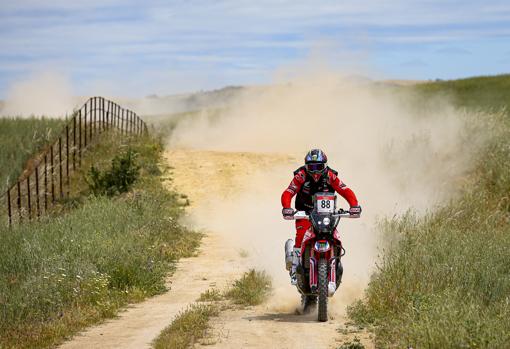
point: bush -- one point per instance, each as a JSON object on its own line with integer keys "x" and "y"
{"x": 117, "y": 180}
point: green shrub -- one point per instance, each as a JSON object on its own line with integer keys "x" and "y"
{"x": 118, "y": 179}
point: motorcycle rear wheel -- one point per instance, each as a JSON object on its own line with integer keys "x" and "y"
{"x": 323, "y": 290}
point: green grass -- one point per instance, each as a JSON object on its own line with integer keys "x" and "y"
{"x": 251, "y": 289}
{"x": 355, "y": 344}
{"x": 188, "y": 327}
{"x": 92, "y": 255}
{"x": 20, "y": 138}
{"x": 211, "y": 295}
{"x": 192, "y": 324}
{"x": 489, "y": 93}
{"x": 444, "y": 279}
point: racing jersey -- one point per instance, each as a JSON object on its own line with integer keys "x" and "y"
{"x": 305, "y": 187}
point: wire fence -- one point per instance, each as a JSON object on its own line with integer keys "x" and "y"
{"x": 47, "y": 176}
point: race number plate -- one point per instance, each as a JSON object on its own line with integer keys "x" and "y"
{"x": 326, "y": 204}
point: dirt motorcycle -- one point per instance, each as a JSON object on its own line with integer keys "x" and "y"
{"x": 320, "y": 270}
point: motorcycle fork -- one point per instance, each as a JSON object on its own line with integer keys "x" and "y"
{"x": 314, "y": 257}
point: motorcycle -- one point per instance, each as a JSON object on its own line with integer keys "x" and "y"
{"x": 320, "y": 270}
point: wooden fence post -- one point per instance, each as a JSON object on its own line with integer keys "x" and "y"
{"x": 19, "y": 202}
{"x": 91, "y": 122}
{"x": 29, "y": 201}
{"x": 79, "y": 144}
{"x": 113, "y": 115}
{"x": 85, "y": 126}
{"x": 68, "y": 181}
{"x": 45, "y": 182}
{"x": 52, "y": 175}
{"x": 103, "y": 113}
{"x": 74, "y": 142}
{"x": 107, "y": 115}
{"x": 9, "y": 210}
{"x": 95, "y": 114}
{"x": 122, "y": 125}
{"x": 60, "y": 167}
{"x": 37, "y": 190}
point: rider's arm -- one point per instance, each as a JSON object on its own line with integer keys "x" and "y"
{"x": 342, "y": 189}
{"x": 292, "y": 189}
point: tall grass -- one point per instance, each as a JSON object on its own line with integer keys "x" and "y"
{"x": 251, "y": 289}
{"x": 445, "y": 281}
{"x": 188, "y": 327}
{"x": 87, "y": 260}
{"x": 20, "y": 138}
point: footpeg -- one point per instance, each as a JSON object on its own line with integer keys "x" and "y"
{"x": 293, "y": 279}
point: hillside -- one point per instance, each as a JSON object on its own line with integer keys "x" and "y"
{"x": 444, "y": 279}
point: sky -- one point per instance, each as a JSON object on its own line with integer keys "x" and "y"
{"x": 137, "y": 48}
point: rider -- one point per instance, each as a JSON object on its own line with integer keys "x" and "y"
{"x": 315, "y": 176}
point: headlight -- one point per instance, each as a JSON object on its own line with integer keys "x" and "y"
{"x": 326, "y": 221}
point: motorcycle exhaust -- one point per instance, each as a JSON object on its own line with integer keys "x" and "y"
{"x": 289, "y": 253}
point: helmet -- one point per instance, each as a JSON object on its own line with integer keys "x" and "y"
{"x": 315, "y": 162}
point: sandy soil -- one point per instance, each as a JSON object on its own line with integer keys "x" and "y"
{"x": 205, "y": 177}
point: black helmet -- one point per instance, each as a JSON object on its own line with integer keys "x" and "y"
{"x": 315, "y": 161}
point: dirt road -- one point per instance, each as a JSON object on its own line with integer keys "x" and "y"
{"x": 225, "y": 192}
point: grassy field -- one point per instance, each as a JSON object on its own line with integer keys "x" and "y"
{"x": 445, "y": 281}
{"x": 93, "y": 255}
{"x": 20, "y": 138}
{"x": 490, "y": 93}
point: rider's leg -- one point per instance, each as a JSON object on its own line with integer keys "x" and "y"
{"x": 302, "y": 226}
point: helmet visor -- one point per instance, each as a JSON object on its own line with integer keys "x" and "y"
{"x": 315, "y": 167}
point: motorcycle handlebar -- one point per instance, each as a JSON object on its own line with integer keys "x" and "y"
{"x": 341, "y": 213}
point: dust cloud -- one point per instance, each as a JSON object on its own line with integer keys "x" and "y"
{"x": 395, "y": 153}
{"x": 42, "y": 94}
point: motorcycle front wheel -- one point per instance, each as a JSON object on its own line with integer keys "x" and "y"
{"x": 323, "y": 290}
